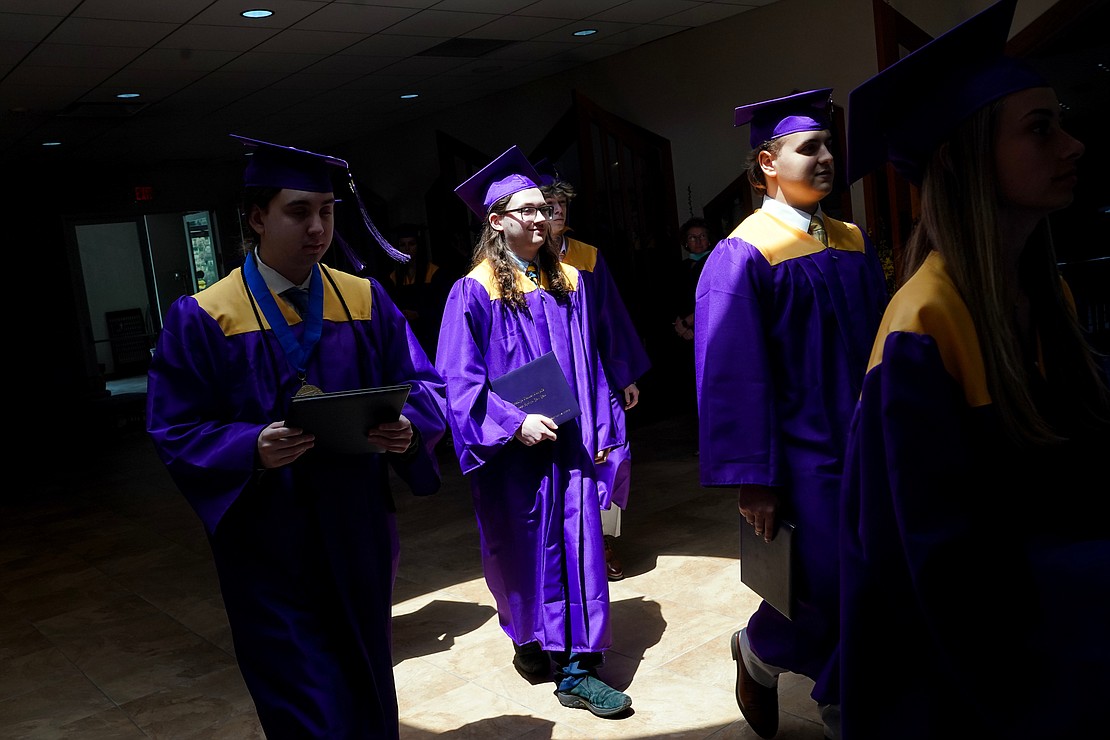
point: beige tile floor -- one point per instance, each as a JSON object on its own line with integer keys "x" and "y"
{"x": 112, "y": 625}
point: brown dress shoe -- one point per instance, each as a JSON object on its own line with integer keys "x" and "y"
{"x": 613, "y": 567}
{"x": 758, "y": 704}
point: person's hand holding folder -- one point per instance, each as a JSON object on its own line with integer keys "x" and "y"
{"x": 280, "y": 445}
{"x": 538, "y": 386}
{"x": 392, "y": 436}
{"x": 535, "y": 429}
{"x": 757, "y": 505}
{"x": 360, "y": 421}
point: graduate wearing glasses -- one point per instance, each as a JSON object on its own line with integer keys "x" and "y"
{"x": 534, "y": 483}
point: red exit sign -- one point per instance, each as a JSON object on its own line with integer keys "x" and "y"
{"x": 144, "y": 192}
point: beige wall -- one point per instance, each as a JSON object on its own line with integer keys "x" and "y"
{"x": 682, "y": 87}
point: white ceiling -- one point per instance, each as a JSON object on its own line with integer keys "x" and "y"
{"x": 328, "y": 67}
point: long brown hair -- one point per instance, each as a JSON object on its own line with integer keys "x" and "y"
{"x": 492, "y": 246}
{"x": 959, "y": 219}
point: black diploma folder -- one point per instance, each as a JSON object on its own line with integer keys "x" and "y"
{"x": 539, "y": 387}
{"x": 341, "y": 420}
{"x": 768, "y": 567}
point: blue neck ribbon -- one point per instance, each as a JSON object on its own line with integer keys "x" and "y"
{"x": 297, "y": 351}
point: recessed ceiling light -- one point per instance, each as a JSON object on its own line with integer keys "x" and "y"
{"x": 257, "y": 13}
{"x": 127, "y": 95}
{"x": 410, "y": 96}
{"x": 586, "y": 32}
{"x": 51, "y": 143}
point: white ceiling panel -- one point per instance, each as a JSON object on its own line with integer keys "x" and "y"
{"x": 570, "y": 9}
{"x": 39, "y": 7}
{"x": 311, "y": 42}
{"x": 20, "y": 27}
{"x": 201, "y": 68}
{"x": 648, "y": 11}
{"x": 183, "y": 59}
{"x": 223, "y": 38}
{"x": 362, "y": 19}
{"x": 81, "y": 55}
{"x": 177, "y": 11}
{"x": 94, "y": 31}
{"x": 440, "y": 23}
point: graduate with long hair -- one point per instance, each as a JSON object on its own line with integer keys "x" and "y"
{"x": 534, "y": 483}
{"x": 975, "y": 523}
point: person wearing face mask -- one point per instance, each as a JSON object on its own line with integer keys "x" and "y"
{"x": 696, "y": 247}
{"x": 304, "y": 540}
{"x": 787, "y": 307}
{"x": 975, "y": 545}
{"x": 534, "y": 483}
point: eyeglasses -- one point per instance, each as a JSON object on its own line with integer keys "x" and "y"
{"x": 697, "y": 238}
{"x": 528, "y": 213}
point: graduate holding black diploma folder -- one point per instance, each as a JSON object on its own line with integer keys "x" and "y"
{"x": 304, "y": 540}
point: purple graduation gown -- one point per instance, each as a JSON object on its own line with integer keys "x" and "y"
{"x": 975, "y": 573}
{"x": 537, "y": 507}
{"x": 306, "y": 553}
{"x": 622, "y": 355}
{"x": 783, "y": 329}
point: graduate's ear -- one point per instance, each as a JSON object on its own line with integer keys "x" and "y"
{"x": 254, "y": 219}
{"x": 495, "y": 221}
{"x": 766, "y": 162}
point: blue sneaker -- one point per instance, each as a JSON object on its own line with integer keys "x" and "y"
{"x": 594, "y": 694}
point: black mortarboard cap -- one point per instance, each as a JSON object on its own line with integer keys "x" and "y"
{"x": 509, "y": 173}
{"x": 277, "y": 166}
{"x": 905, "y": 111}
{"x": 770, "y": 119}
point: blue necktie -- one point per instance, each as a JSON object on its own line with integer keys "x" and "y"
{"x": 298, "y": 297}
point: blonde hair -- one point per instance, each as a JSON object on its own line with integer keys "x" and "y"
{"x": 959, "y": 219}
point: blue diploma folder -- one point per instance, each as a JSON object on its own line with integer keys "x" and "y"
{"x": 539, "y": 387}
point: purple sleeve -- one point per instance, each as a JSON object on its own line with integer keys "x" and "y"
{"x": 210, "y": 454}
{"x": 406, "y": 362}
{"x": 481, "y": 422}
{"x": 738, "y": 440}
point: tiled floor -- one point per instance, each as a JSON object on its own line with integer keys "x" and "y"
{"x": 112, "y": 625}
